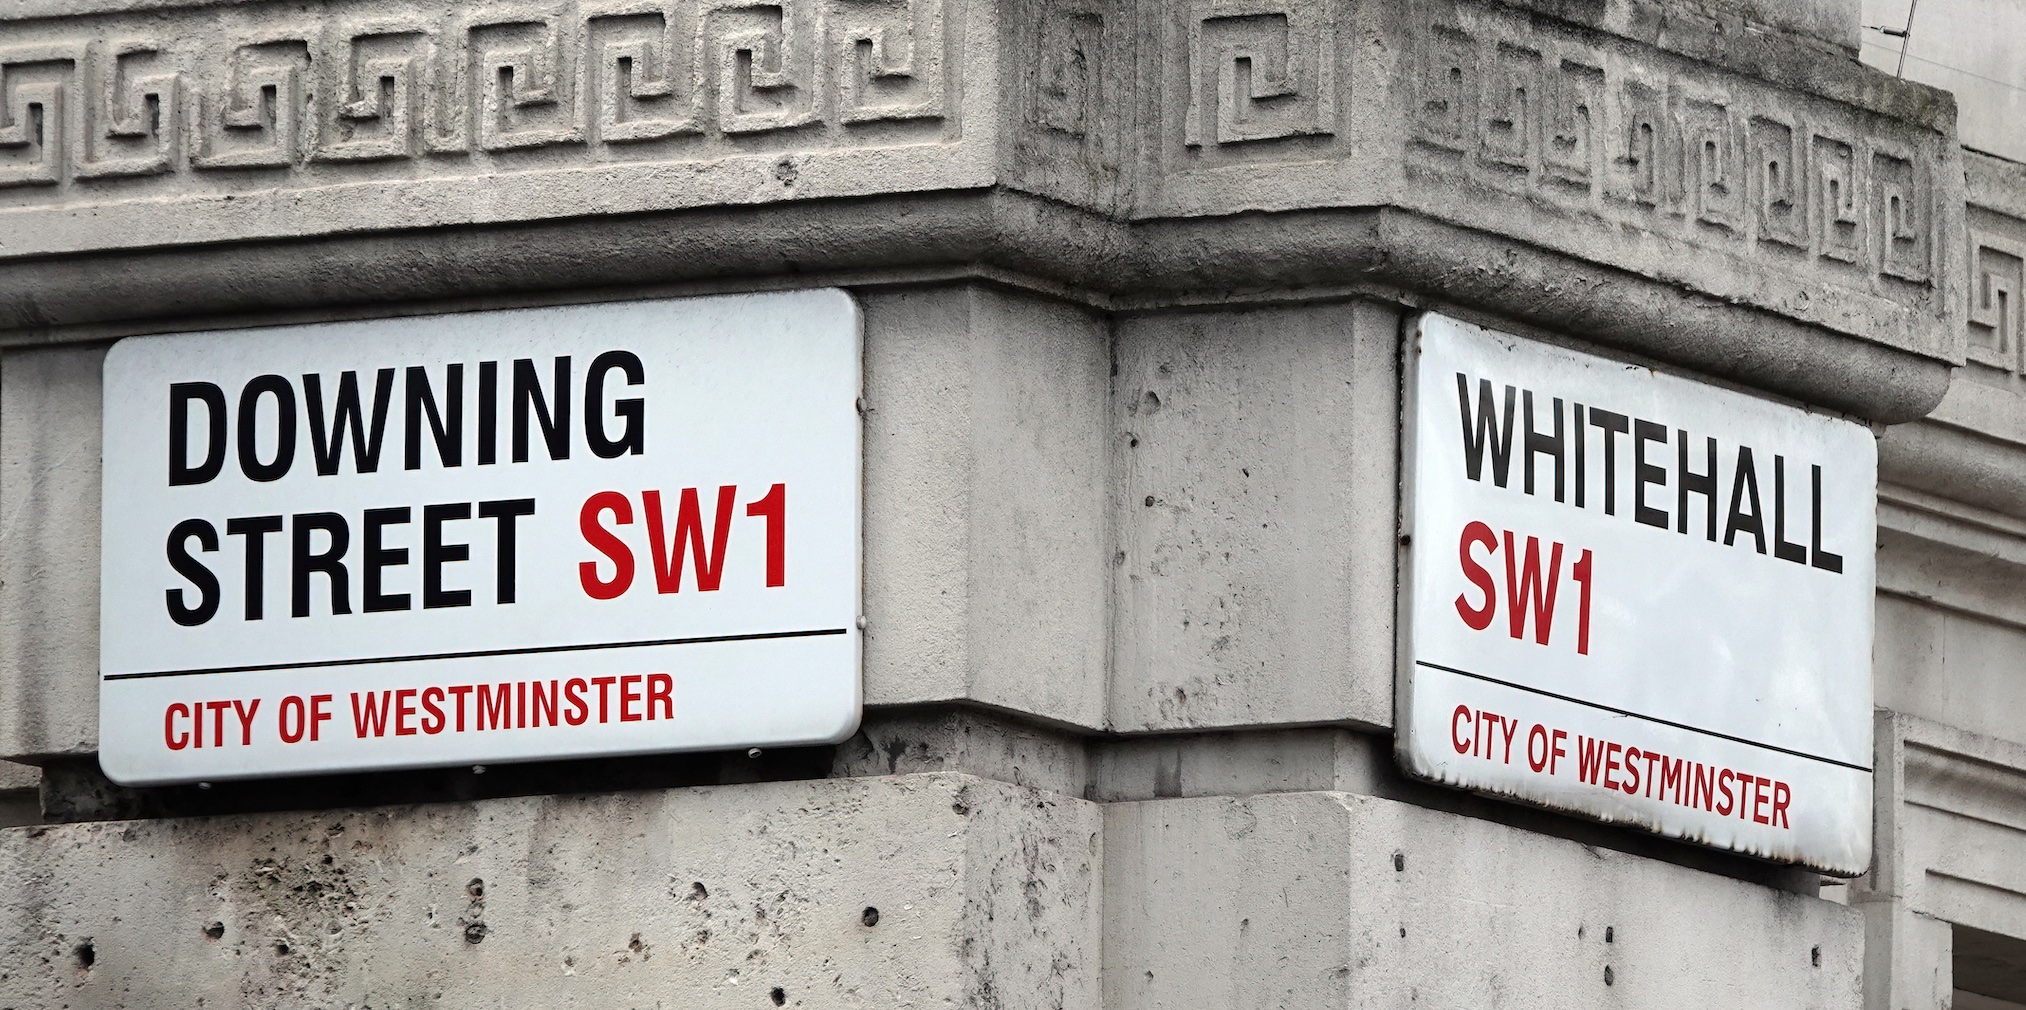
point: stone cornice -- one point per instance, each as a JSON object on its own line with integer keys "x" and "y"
{"x": 1735, "y": 201}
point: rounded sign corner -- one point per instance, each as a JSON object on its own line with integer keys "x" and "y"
{"x": 116, "y": 770}
{"x": 846, "y": 729}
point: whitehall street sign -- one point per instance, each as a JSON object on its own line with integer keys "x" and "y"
{"x": 487, "y": 537}
{"x": 1637, "y": 597}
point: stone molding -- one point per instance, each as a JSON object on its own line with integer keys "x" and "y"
{"x": 1997, "y": 280}
{"x": 1951, "y": 808}
{"x": 1950, "y": 554}
{"x": 1973, "y": 447}
{"x": 1761, "y": 173}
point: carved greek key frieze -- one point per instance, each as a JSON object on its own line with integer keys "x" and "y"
{"x": 637, "y": 78}
{"x": 312, "y": 92}
{"x": 892, "y": 59}
{"x": 36, "y": 113}
{"x": 1066, "y": 87}
{"x": 251, "y": 117}
{"x": 1716, "y": 159}
{"x": 1259, "y": 70}
{"x": 1997, "y": 319}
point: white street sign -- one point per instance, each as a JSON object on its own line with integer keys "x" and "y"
{"x": 485, "y": 537}
{"x": 1637, "y": 597}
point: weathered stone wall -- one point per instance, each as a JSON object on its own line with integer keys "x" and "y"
{"x": 1133, "y": 277}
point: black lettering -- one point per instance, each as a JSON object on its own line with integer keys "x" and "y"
{"x": 436, "y": 554}
{"x": 1582, "y": 440}
{"x": 1691, "y": 482}
{"x": 1613, "y": 424}
{"x": 284, "y": 452}
{"x": 504, "y": 513}
{"x": 375, "y": 559}
{"x": 447, "y": 426}
{"x": 181, "y": 395}
{"x": 328, "y": 446}
{"x": 1817, "y": 556}
{"x": 1781, "y": 548}
{"x": 1644, "y": 473}
{"x": 528, "y": 397}
{"x": 330, "y": 561}
{"x": 634, "y": 411}
{"x": 1475, "y": 439}
{"x": 255, "y": 529}
{"x": 190, "y": 568}
{"x": 488, "y": 413}
{"x": 1745, "y": 484}
{"x": 1545, "y": 445}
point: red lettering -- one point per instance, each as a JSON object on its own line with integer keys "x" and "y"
{"x": 573, "y": 697}
{"x": 1670, "y": 777}
{"x": 688, "y": 540}
{"x": 604, "y": 685}
{"x": 1456, "y": 721}
{"x": 1781, "y": 796}
{"x": 1582, "y": 575}
{"x": 404, "y": 711}
{"x": 369, "y": 716}
{"x": 1524, "y": 587}
{"x": 1723, "y": 784}
{"x": 1760, "y": 801}
{"x": 661, "y": 694}
{"x": 1589, "y": 758}
{"x": 245, "y": 714}
{"x": 1612, "y": 758}
{"x": 1478, "y": 618}
{"x": 774, "y": 508}
{"x": 432, "y": 707}
{"x": 217, "y": 709}
{"x": 629, "y": 696}
{"x": 170, "y": 737}
{"x": 495, "y": 706}
{"x": 319, "y": 714}
{"x": 459, "y": 692}
{"x": 291, "y": 731}
{"x": 605, "y": 542}
{"x": 543, "y": 703}
{"x": 1631, "y": 786}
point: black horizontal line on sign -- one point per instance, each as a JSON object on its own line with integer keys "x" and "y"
{"x": 481, "y": 654}
{"x": 1637, "y": 715}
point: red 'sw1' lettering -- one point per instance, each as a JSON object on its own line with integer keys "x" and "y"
{"x": 668, "y": 553}
{"x": 1530, "y": 588}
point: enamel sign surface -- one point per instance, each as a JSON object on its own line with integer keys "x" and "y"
{"x": 1637, "y": 597}
{"x": 483, "y": 537}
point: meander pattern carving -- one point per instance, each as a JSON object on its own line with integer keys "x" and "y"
{"x": 1714, "y": 160}
{"x": 282, "y": 89}
{"x": 1997, "y": 301}
{"x": 1259, "y": 70}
